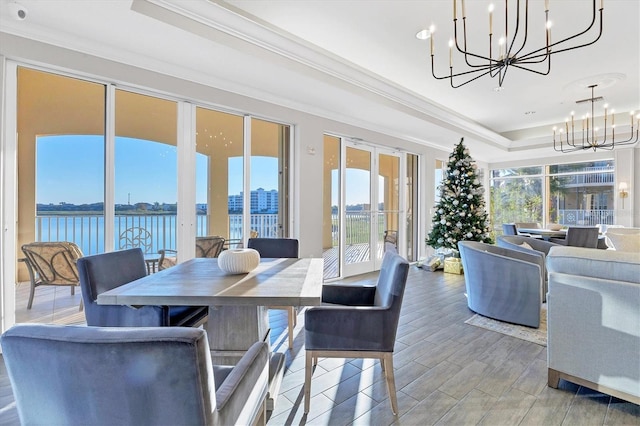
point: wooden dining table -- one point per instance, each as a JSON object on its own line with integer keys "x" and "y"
{"x": 238, "y": 303}
{"x": 546, "y": 234}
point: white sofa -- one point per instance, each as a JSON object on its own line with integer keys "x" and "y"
{"x": 593, "y": 308}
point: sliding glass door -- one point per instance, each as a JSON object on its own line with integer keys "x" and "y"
{"x": 145, "y": 173}
{"x": 358, "y": 211}
{"x": 364, "y": 202}
{"x": 110, "y": 168}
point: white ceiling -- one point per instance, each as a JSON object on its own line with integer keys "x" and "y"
{"x": 358, "y": 61}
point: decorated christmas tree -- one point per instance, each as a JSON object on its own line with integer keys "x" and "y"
{"x": 460, "y": 214}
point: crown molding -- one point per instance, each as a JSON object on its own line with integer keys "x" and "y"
{"x": 209, "y": 19}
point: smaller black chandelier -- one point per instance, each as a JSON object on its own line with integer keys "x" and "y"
{"x": 510, "y": 52}
{"x": 567, "y": 139}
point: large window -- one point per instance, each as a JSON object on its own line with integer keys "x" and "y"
{"x": 516, "y": 196}
{"x": 145, "y": 172}
{"x": 110, "y": 178}
{"x": 219, "y": 175}
{"x": 61, "y": 159}
{"x": 568, "y": 194}
{"x": 581, "y": 193}
{"x": 269, "y": 179}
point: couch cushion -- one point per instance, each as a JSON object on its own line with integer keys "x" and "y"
{"x": 527, "y": 246}
{"x": 624, "y": 241}
{"x": 603, "y": 264}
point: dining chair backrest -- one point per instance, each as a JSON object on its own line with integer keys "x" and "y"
{"x": 509, "y": 229}
{"x": 106, "y": 271}
{"x": 578, "y": 236}
{"x": 275, "y": 247}
{"x": 102, "y": 272}
{"x": 390, "y": 292}
{"x": 209, "y": 246}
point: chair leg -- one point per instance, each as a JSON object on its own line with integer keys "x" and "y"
{"x": 31, "y": 294}
{"x": 308, "y": 370}
{"x": 553, "y": 378}
{"x": 73, "y": 290}
{"x": 32, "y": 281}
{"x": 292, "y": 323}
{"x": 387, "y": 365}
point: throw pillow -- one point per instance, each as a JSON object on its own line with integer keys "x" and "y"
{"x": 527, "y": 246}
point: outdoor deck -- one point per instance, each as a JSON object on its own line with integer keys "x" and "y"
{"x": 354, "y": 253}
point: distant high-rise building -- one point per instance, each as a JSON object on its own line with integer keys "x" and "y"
{"x": 261, "y": 201}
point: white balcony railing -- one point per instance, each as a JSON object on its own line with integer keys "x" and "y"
{"x": 87, "y": 230}
{"x": 586, "y": 217}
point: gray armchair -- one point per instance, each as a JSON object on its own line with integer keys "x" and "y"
{"x": 71, "y": 375}
{"x": 531, "y": 246}
{"x": 363, "y": 326}
{"x": 502, "y": 283}
{"x": 515, "y": 242}
{"x": 103, "y": 272}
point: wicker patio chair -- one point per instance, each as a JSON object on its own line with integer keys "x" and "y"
{"x": 136, "y": 237}
{"x": 205, "y": 247}
{"x": 51, "y": 263}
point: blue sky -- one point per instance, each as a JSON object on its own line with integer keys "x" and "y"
{"x": 71, "y": 169}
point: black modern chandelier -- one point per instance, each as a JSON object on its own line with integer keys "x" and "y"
{"x": 589, "y": 136}
{"x": 512, "y": 40}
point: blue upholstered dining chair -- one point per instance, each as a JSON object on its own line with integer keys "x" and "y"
{"x": 579, "y": 236}
{"x": 509, "y": 229}
{"x": 76, "y": 375}
{"x": 103, "y": 272}
{"x": 277, "y": 248}
{"x": 361, "y": 322}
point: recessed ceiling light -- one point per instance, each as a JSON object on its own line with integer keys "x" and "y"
{"x": 423, "y": 34}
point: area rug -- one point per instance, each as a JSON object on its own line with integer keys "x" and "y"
{"x": 535, "y": 335}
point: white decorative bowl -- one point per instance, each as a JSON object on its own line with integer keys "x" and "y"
{"x": 555, "y": 226}
{"x": 238, "y": 261}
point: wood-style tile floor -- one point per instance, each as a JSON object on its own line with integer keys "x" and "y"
{"x": 447, "y": 372}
